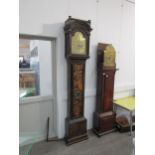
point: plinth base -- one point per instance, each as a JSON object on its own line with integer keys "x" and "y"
{"x": 104, "y": 123}
{"x": 76, "y": 130}
{"x": 99, "y": 134}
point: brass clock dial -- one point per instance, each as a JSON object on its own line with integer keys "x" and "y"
{"x": 109, "y": 56}
{"x": 78, "y": 44}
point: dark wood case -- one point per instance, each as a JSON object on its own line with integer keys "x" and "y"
{"x": 104, "y": 117}
{"x": 76, "y": 123}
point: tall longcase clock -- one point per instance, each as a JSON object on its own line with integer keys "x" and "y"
{"x": 77, "y": 33}
{"x": 104, "y": 117}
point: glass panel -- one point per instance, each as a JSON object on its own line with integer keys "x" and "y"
{"x": 35, "y": 68}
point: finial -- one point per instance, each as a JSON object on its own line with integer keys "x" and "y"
{"x": 89, "y": 21}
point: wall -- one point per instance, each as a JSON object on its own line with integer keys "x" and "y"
{"x": 45, "y": 56}
{"x": 112, "y": 22}
{"x": 33, "y": 120}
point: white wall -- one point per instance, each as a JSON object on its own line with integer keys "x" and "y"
{"x": 33, "y": 120}
{"x": 112, "y": 22}
{"x": 45, "y": 57}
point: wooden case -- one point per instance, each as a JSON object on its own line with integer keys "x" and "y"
{"x": 77, "y": 34}
{"x": 104, "y": 117}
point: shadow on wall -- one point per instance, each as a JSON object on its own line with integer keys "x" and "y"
{"x": 57, "y": 30}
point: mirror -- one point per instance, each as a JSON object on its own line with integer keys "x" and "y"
{"x": 35, "y": 67}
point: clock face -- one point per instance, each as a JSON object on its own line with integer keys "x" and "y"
{"x": 109, "y": 56}
{"x": 78, "y": 44}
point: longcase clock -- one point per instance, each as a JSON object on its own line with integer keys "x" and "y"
{"x": 77, "y": 33}
{"x": 104, "y": 117}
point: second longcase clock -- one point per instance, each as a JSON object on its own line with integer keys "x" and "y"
{"x": 104, "y": 117}
{"x": 77, "y": 34}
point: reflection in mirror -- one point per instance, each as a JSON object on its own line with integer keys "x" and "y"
{"x": 35, "y": 76}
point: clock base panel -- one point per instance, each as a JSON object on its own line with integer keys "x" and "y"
{"x": 70, "y": 141}
{"x": 104, "y": 123}
{"x": 99, "y": 134}
{"x": 76, "y": 130}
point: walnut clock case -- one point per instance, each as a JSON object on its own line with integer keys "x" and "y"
{"x": 104, "y": 117}
{"x": 77, "y": 33}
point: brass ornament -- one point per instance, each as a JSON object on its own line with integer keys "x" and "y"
{"x": 78, "y": 43}
{"x": 109, "y": 56}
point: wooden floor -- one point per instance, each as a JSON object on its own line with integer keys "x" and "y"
{"x": 111, "y": 144}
